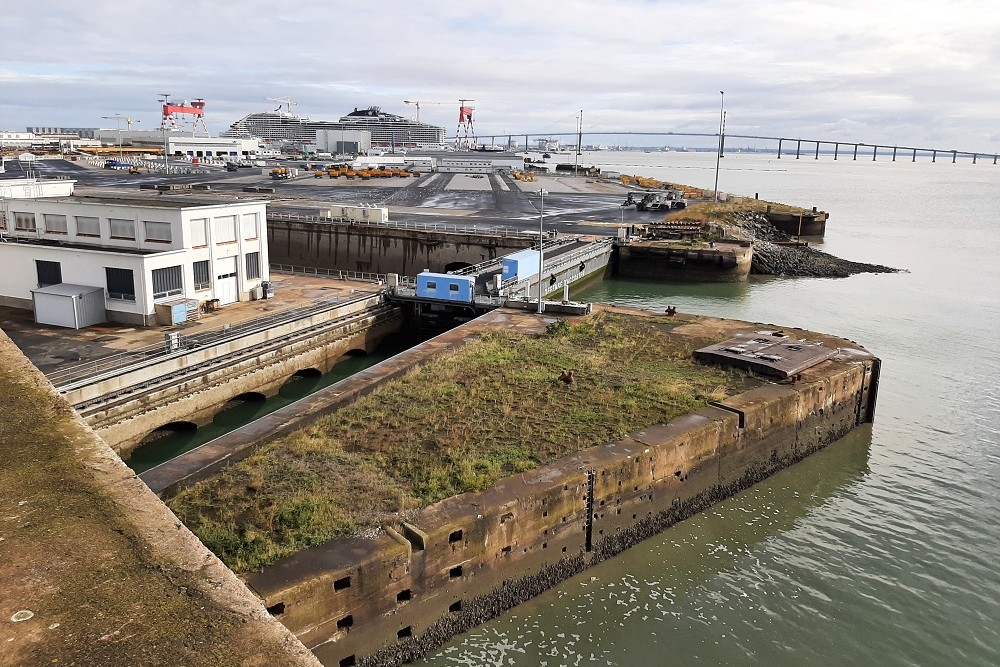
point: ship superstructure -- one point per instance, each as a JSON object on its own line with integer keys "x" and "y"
{"x": 386, "y": 129}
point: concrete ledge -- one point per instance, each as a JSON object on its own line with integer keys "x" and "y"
{"x": 109, "y": 574}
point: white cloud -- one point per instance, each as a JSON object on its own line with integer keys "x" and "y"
{"x": 888, "y": 71}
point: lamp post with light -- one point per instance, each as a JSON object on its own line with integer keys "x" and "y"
{"x": 541, "y": 256}
{"x": 718, "y": 156}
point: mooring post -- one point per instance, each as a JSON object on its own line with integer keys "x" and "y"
{"x": 817, "y": 151}
{"x": 798, "y": 145}
{"x": 914, "y": 155}
{"x": 874, "y": 152}
{"x": 933, "y": 156}
{"x": 836, "y": 149}
{"x": 893, "y": 153}
{"x": 779, "y": 148}
{"x": 855, "y": 151}
{"x": 994, "y": 159}
{"x": 954, "y": 156}
{"x": 974, "y": 156}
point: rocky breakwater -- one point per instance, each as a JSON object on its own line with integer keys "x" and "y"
{"x": 771, "y": 257}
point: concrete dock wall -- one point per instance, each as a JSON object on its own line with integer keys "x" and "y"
{"x": 381, "y": 250}
{"x": 726, "y": 262}
{"x": 466, "y": 559}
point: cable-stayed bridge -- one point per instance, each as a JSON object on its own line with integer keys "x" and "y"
{"x": 788, "y": 147}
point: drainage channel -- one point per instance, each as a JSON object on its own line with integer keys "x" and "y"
{"x": 175, "y": 443}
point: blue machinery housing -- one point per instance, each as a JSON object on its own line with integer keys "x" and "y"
{"x": 446, "y": 287}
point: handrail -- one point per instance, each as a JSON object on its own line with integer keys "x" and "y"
{"x": 67, "y": 379}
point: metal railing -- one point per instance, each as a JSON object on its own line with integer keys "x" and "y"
{"x": 560, "y": 262}
{"x": 66, "y": 379}
{"x": 491, "y": 230}
{"x": 337, "y": 274}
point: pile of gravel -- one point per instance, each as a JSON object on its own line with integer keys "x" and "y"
{"x": 770, "y": 259}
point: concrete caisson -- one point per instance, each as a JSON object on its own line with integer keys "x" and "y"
{"x": 467, "y": 559}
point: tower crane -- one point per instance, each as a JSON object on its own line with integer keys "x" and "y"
{"x": 417, "y": 104}
{"x": 287, "y": 102}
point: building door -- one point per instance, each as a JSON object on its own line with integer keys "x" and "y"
{"x": 226, "y": 288}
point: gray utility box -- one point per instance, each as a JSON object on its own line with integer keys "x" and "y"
{"x": 71, "y": 306}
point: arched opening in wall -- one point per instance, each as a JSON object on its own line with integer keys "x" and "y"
{"x": 168, "y": 429}
{"x": 456, "y": 266}
{"x": 162, "y": 444}
{"x": 356, "y": 352}
{"x": 241, "y": 409}
{"x": 243, "y": 399}
{"x": 303, "y": 374}
{"x": 301, "y": 383}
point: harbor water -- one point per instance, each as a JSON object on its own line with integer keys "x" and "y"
{"x": 883, "y": 549}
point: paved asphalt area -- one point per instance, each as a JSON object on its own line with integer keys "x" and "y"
{"x": 437, "y": 198}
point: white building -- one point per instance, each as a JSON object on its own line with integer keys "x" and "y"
{"x": 183, "y": 144}
{"x": 139, "y": 251}
{"x": 341, "y": 142}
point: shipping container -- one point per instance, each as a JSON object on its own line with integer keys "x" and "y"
{"x": 520, "y": 265}
{"x": 446, "y": 287}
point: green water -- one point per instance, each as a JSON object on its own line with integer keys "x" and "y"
{"x": 242, "y": 413}
{"x": 884, "y": 549}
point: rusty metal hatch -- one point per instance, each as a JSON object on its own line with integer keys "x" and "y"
{"x": 771, "y": 353}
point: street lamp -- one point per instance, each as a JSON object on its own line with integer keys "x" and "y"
{"x": 118, "y": 125}
{"x": 718, "y": 156}
{"x": 163, "y": 128}
{"x": 541, "y": 255}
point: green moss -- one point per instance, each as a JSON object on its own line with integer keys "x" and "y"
{"x": 494, "y": 408}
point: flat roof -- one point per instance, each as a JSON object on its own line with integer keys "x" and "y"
{"x": 158, "y": 201}
{"x": 67, "y": 289}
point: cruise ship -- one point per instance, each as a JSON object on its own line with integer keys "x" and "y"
{"x": 386, "y": 129}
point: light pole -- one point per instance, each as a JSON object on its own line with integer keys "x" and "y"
{"x": 163, "y": 128}
{"x": 118, "y": 126}
{"x": 541, "y": 255}
{"x": 718, "y": 156}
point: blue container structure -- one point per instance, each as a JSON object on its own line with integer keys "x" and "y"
{"x": 520, "y": 265}
{"x": 445, "y": 287}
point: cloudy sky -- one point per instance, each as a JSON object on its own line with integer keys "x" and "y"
{"x": 908, "y": 72}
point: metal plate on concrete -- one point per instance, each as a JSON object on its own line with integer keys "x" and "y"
{"x": 771, "y": 353}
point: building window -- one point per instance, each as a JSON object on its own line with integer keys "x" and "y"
{"x": 55, "y": 224}
{"x": 49, "y": 273}
{"x": 250, "y": 226}
{"x": 168, "y": 282}
{"x": 253, "y": 265}
{"x": 122, "y": 229}
{"x": 201, "y": 273}
{"x": 87, "y": 226}
{"x": 225, "y": 229}
{"x": 199, "y": 232}
{"x": 24, "y": 222}
{"x": 157, "y": 231}
{"x": 121, "y": 284}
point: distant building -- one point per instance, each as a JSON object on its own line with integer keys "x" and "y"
{"x": 182, "y": 144}
{"x": 64, "y": 132}
{"x": 353, "y": 142}
{"x": 138, "y": 251}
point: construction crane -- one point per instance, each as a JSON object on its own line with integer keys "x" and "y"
{"x": 286, "y": 101}
{"x": 465, "y": 134}
{"x": 417, "y": 104}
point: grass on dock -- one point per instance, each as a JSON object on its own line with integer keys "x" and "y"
{"x": 720, "y": 211}
{"x": 491, "y": 409}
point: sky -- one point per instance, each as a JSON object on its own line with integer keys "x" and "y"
{"x": 909, "y": 72}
